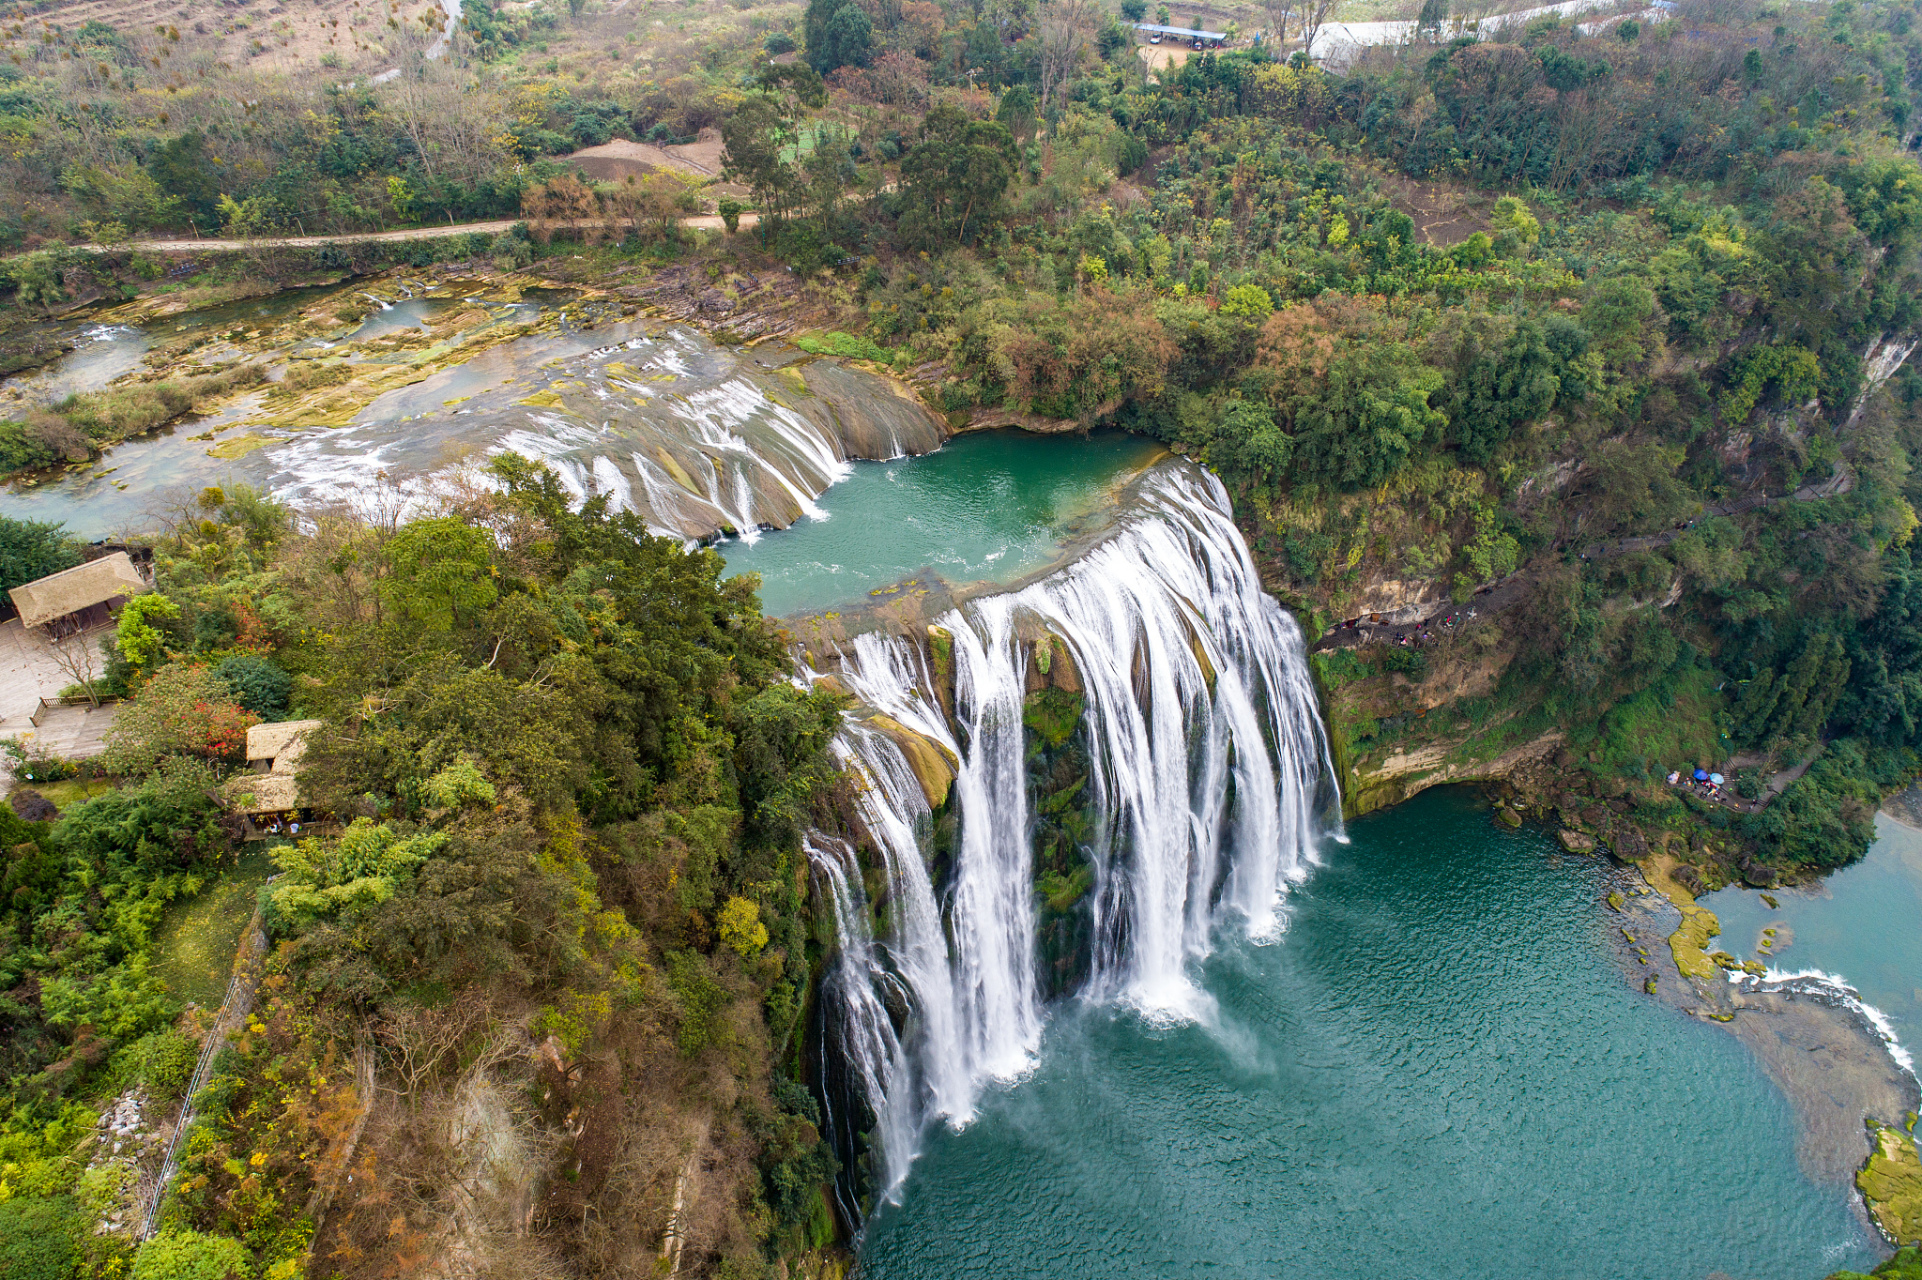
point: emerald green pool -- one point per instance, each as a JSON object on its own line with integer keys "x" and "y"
{"x": 1439, "y": 1070}
{"x": 990, "y": 505}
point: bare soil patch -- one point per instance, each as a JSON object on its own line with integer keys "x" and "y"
{"x": 1445, "y": 214}
{"x": 1164, "y": 57}
{"x": 612, "y": 161}
{"x": 267, "y": 35}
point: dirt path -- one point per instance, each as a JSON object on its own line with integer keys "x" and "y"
{"x": 701, "y": 222}
{"x": 1840, "y": 481}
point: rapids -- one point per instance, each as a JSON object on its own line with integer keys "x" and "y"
{"x": 701, "y": 439}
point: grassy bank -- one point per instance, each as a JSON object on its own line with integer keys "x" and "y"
{"x": 81, "y": 426}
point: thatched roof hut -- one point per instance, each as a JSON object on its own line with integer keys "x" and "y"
{"x": 83, "y": 596}
{"x": 278, "y": 747}
{"x": 259, "y": 794}
{"x": 272, "y": 785}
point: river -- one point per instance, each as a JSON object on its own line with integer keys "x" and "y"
{"x": 1115, "y": 991}
{"x": 392, "y": 405}
{"x": 1438, "y": 1070}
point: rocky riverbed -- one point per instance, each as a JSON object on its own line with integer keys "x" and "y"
{"x": 1855, "y": 1096}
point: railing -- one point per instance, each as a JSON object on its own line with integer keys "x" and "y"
{"x": 237, "y": 1003}
{"x": 56, "y": 704}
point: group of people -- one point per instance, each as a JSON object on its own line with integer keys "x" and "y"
{"x": 1704, "y": 783}
{"x": 1422, "y": 633}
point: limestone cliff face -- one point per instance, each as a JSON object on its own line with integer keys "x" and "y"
{"x": 1397, "y": 733}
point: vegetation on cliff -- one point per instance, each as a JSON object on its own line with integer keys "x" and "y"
{"x": 1612, "y": 319}
{"x": 568, "y": 778}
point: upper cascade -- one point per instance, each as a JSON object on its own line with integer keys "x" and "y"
{"x": 1072, "y": 785}
{"x": 702, "y": 440}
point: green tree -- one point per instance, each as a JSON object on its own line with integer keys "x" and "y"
{"x": 955, "y": 178}
{"x": 1495, "y": 391}
{"x": 185, "y": 170}
{"x": 31, "y": 549}
{"x": 758, "y": 139}
{"x": 1018, "y": 112}
{"x": 259, "y": 684}
{"x": 441, "y": 572}
{"x": 1360, "y": 422}
{"x": 140, "y": 642}
{"x": 838, "y": 34}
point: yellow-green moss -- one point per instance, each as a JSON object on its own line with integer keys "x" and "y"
{"x": 1053, "y": 714}
{"x": 1891, "y": 1183}
{"x": 240, "y": 446}
{"x": 1690, "y": 942}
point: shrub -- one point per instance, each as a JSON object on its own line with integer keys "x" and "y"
{"x": 700, "y": 997}
{"x": 39, "y": 1237}
{"x": 741, "y": 927}
{"x": 163, "y": 1061}
{"x": 115, "y": 414}
{"x": 257, "y": 684}
{"x": 182, "y": 711}
{"x": 189, "y": 1255}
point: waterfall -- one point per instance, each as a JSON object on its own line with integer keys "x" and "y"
{"x": 701, "y": 441}
{"x": 1207, "y": 782}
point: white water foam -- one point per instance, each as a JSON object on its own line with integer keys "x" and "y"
{"x": 1833, "y": 987}
{"x": 1210, "y": 781}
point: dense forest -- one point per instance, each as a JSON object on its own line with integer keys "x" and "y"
{"x": 1651, "y": 371}
{"x": 572, "y": 776}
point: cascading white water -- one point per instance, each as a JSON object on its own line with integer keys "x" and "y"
{"x": 1210, "y": 782}
{"x": 869, "y": 1046}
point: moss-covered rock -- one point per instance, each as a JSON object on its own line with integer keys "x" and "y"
{"x": 1905, "y": 1265}
{"x": 941, "y": 665}
{"x": 1053, "y": 715}
{"x": 1064, "y": 826}
{"x": 1891, "y": 1183}
{"x": 933, "y": 767}
{"x": 1688, "y": 944}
